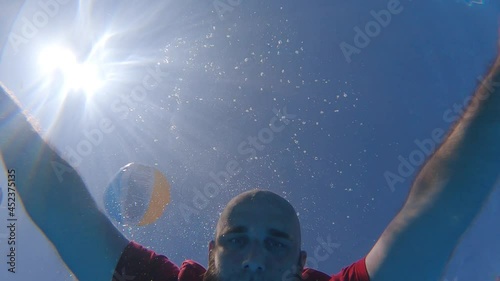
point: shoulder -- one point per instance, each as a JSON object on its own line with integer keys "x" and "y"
{"x": 191, "y": 270}
{"x": 354, "y": 272}
{"x": 141, "y": 263}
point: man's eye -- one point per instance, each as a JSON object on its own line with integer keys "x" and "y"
{"x": 237, "y": 240}
{"x": 275, "y": 244}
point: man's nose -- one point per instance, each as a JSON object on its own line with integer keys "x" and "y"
{"x": 255, "y": 261}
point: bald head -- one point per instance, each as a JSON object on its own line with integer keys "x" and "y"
{"x": 257, "y": 206}
{"x": 257, "y": 238}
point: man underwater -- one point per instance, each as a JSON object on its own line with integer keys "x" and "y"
{"x": 258, "y": 234}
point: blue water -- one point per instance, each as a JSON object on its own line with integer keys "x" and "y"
{"x": 223, "y": 72}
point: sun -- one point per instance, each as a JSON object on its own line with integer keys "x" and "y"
{"x": 79, "y": 76}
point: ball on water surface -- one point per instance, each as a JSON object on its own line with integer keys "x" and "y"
{"x": 137, "y": 195}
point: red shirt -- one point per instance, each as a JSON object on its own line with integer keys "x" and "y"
{"x": 140, "y": 264}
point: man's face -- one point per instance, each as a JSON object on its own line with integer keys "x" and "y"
{"x": 257, "y": 240}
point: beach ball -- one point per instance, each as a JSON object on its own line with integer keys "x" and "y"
{"x": 137, "y": 195}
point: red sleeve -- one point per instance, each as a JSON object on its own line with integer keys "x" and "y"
{"x": 191, "y": 270}
{"x": 140, "y": 264}
{"x": 354, "y": 272}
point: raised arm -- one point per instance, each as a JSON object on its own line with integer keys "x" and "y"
{"x": 446, "y": 196}
{"x": 62, "y": 208}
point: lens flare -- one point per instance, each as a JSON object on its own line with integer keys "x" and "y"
{"x": 83, "y": 76}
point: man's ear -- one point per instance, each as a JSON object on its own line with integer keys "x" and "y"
{"x": 303, "y": 258}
